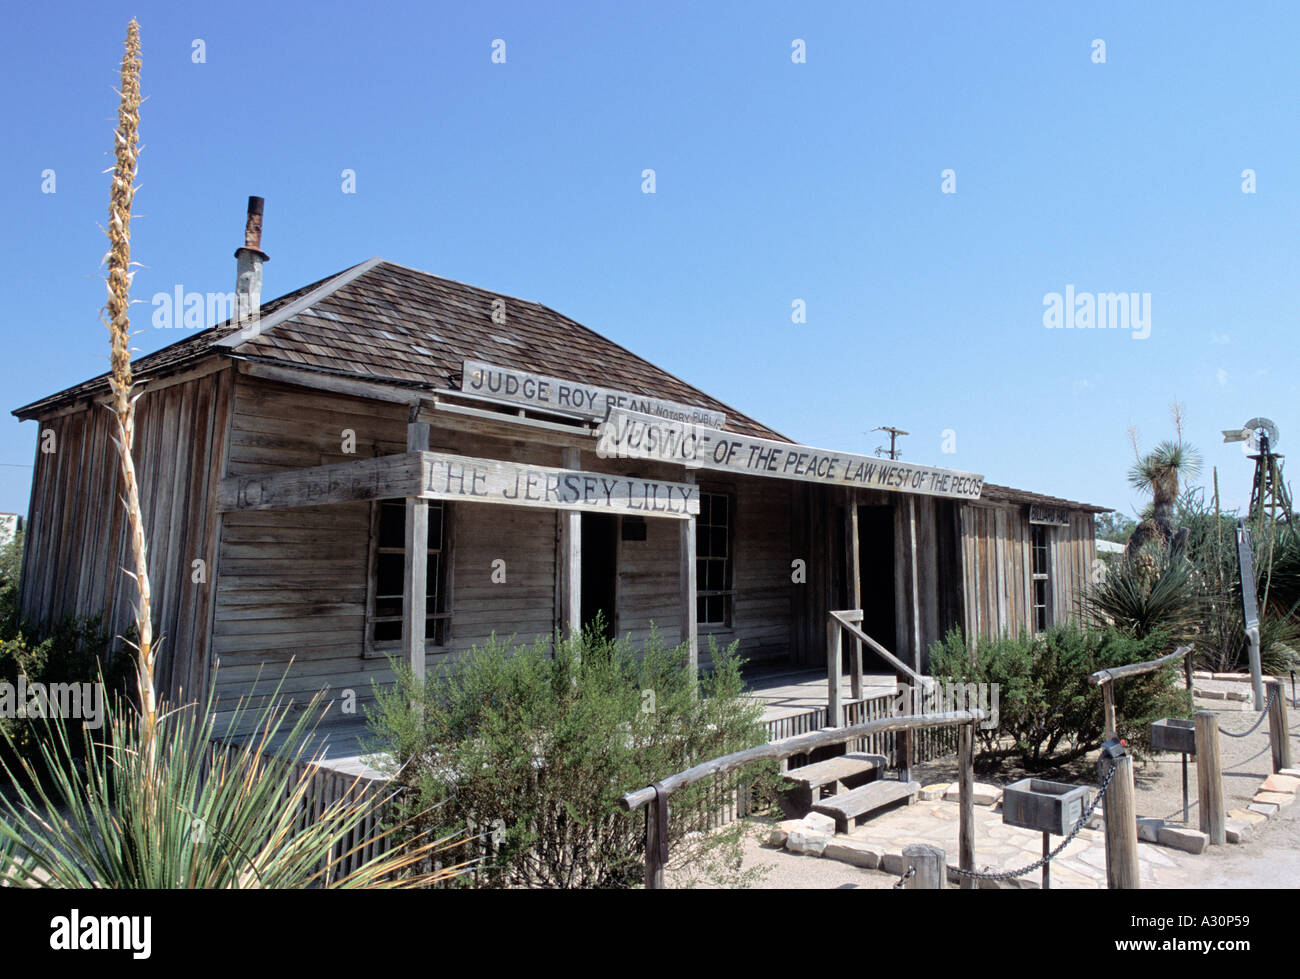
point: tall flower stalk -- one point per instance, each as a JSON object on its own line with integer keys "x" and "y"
{"x": 116, "y": 318}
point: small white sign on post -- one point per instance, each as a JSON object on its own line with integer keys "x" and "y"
{"x": 588, "y": 401}
{"x": 452, "y": 477}
{"x": 635, "y": 435}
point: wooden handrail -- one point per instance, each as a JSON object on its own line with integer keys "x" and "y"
{"x": 1137, "y": 669}
{"x": 787, "y": 747}
{"x": 1105, "y": 679}
{"x": 898, "y": 665}
{"x": 656, "y": 796}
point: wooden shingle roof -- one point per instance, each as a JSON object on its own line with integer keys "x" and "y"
{"x": 383, "y": 322}
{"x": 1006, "y": 494}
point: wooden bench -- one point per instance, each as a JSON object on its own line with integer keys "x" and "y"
{"x": 846, "y": 808}
{"x": 813, "y": 782}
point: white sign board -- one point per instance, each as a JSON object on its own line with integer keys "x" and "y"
{"x": 451, "y": 477}
{"x": 572, "y": 397}
{"x": 634, "y": 435}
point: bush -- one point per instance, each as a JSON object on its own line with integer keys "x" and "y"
{"x": 531, "y": 751}
{"x": 1220, "y": 638}
{"x": 1048, "y": 711}
{"x": 74, "y": 651}
{"x": 11, "y": 560}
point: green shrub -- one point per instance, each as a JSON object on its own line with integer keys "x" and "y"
{"x": 1220, "y": 637}
{"x": 1048, "y": 711}
{"x": 73, "y": 651}
{"x": 531, "y": 751}
{"x": 11, "y": 559}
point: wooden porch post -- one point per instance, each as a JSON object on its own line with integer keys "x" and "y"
{"x": 690, "y": 611}
{"x": 915, "y": 584}
{"x": 571, "y": 558}
{"x": 415, "y": 579}
{"x": 854, "y": 580}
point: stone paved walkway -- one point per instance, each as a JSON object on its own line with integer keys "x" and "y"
{"x": 999, "y": 847}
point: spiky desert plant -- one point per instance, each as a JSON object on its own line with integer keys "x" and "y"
{"x": 205, "y": 815}
{"x": 116, "y": 318}
{"x": 1159, "y": 473}
{"x": 162, "y": 798}
{"x": 1152, "y": 591}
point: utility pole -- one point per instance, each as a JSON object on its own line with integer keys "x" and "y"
{"x": 893, "y": 452}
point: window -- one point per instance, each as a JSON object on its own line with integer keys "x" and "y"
{"x": 384, "y": 613}
{"x": 1041, "y": 563}
{"x": 713, "y": 560}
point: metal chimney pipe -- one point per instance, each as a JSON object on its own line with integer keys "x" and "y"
{"x": 249, "y": 260}
{"x": 253, "y": 223}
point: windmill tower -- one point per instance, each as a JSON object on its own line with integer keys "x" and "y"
{"x": 1268, "y": 491}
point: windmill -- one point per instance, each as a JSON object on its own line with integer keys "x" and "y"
{"x": 1268, "y": 491}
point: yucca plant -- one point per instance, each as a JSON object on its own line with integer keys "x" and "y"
{"x": 159, "y": 800}
{"x": 1151, "y": 591}
{"x": 1159, "y": 473}
{"x": 205, "y": 814}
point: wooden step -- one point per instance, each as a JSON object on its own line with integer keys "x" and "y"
{"x": 848, "y": 807}
{"x": 812, "y": 782}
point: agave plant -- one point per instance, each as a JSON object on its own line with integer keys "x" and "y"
{"x": 1151, "y": 591}
{"x": 203, "y": 814}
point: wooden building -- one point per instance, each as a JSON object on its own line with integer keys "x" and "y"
{"x": 294, "y": 465}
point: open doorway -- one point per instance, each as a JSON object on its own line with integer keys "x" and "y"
{"x": 599, "y": 569}
{"x": 876, "y": 565}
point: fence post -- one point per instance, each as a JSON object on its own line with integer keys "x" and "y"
{"x": 966, "y": 796}
{"x": 1121, "y": 826}
{"x": 1108, "y": 702}
{"x": 1209, "y": 777}
{"x": 1279, "y": 735}
{"x": 834, "y": 715}
{"x": 930, "y": 863}
{"x": 656, "y": 840}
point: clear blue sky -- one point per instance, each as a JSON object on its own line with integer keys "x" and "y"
{"x": 775, "y": 182}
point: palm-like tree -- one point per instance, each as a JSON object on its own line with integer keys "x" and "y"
{"x": 1159, "y": 472}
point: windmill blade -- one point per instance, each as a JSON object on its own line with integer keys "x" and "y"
{"x": 1265, "y": 425}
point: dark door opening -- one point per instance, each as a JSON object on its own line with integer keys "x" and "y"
{"x": 599, "y": 568}
{"x": 876, "y": 564}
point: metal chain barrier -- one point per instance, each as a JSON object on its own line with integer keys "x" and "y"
{"x": 1078, "y": 827}
{"x": 908, "y": 874}
{"x": 1256, "y": 725}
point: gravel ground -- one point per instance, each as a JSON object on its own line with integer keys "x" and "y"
{"x": 1270, "y": 858}
{"x": 791, "y": 871}
{"x": 1246, "y": 761}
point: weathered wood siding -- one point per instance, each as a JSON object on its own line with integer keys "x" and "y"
{"x": 76, "y": 544}
{"x": 292, "y": 583}
{"x": 998, "y": 567}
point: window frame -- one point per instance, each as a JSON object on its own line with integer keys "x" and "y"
{"x": 439, "y": 591}
{"x": 1041, "y": 578}
{"x": 728, "y": 592}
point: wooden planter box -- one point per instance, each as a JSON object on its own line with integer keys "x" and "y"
{"x": 1050, "y": 807}
{"x": 1173, "y": 734}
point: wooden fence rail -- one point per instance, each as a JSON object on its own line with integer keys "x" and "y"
{"x": 655, "y": 797}
{"x": 1105, "y": 679}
